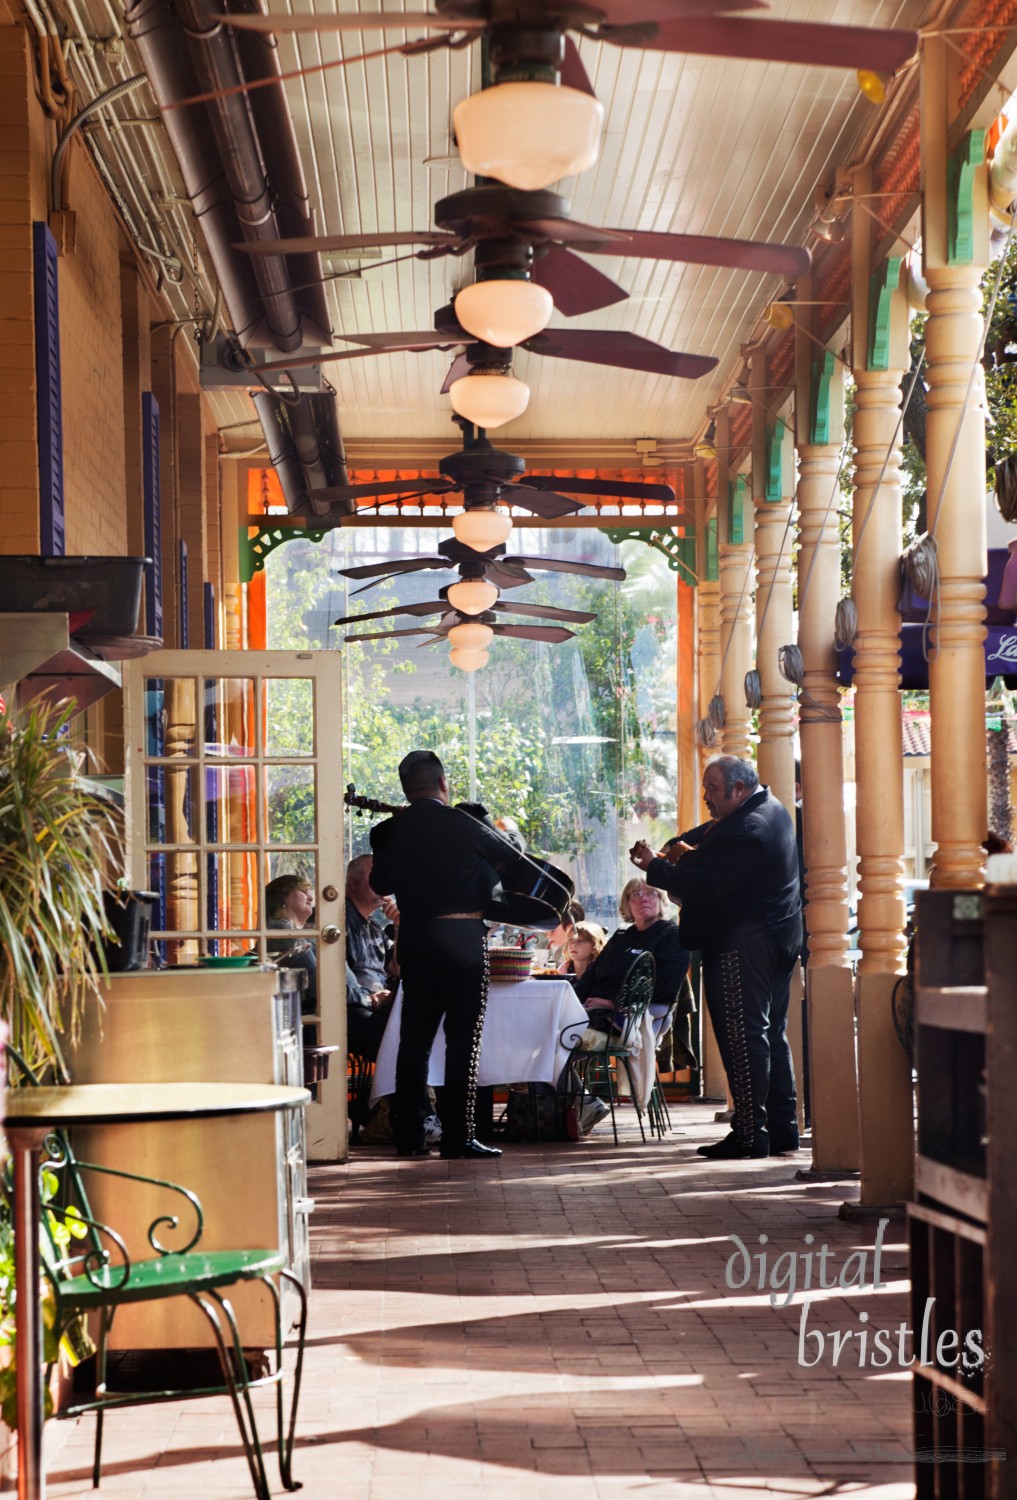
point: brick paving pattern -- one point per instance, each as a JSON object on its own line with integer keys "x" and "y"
{"x": 557, "y": 1325}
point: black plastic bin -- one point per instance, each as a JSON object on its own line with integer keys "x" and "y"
{"x": 101, "y": 594}
{"x": 129, "y": 913}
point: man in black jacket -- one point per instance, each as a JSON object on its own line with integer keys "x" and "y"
{"x": 737, "y": 880}
{"x": 442, "y": 867}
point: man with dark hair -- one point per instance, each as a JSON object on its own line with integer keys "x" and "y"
{"x": 737, "y": 880}
{"x": 442, "y": 867}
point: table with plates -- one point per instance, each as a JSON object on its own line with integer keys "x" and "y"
{"x": 530, "y": 1027}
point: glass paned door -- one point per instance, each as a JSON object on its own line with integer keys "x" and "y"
{"x": 233, "y": 781}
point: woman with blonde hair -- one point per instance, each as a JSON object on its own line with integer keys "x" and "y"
{"x": 652, "y": 931}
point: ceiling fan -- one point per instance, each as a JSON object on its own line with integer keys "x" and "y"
{"x": 491, "y": 567}
{"x": 473, "y": 632}
{"x": 713, "y": 28}
{"x": 530, "y": 234}
{"x": 485, "y": 476}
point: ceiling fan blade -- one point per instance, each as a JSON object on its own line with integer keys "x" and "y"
{"x": 378, "y": 21}
{"x": 706, "y": 250}
{"x": 541, "y": 502}
{"x": 338, "y": 244}
{"x": 460, "y": 366}
{"x": 559, "y": 565}
{"x": 394, "y": 343}
{"x": 339, "y": 492}
{"x": 625, "y": 351}
{"x": 550, "y": 633}
{"x": 507, "y": 576}
{"x": 392, "y": 568}
{"x": 809, "y": 42}
{"x": 384, "y": 635}
{"x": 625, "y": 491}
{"x": 569, "y": 232}
{"x": 546, "y": 612}
{"x": 432, "y": 607}
{"x": 573, "y": 74}
{"x": 575, "y": 285}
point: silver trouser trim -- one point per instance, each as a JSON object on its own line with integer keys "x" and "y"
{"x": 734, "y": 1025}
{"x": 474, "y": 1067}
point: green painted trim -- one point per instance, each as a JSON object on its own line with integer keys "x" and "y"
{"x": 773, "y": 490}
{"x": 820, "y": 417}
{"x": 736, "y": 510}
{"x": 255, "y": 549}
{"x": 964, "y": 162}
{"x": 680, "y": 551}
{"x": 711, "y": 562}
{"x": 882, "y": 286}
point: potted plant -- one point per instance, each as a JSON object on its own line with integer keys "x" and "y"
{"x": 59, "y": 848}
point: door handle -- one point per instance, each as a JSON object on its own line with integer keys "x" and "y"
{"x": 330, "y": 934}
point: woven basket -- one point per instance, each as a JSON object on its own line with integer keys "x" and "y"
{"x": 509, "y": 965}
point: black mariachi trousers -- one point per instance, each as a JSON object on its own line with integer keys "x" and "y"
{"x": 747, "y": 992}
{"x": 444, "y": 974}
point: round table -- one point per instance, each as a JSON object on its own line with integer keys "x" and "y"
{"x": 29, "y": 1115}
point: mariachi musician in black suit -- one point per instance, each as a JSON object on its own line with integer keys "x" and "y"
{"x": 442, "y": 866}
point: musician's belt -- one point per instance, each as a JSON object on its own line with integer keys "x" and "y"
{"x": 460, "y": 916}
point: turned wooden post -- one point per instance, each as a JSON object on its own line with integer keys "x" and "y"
{"x": 955, "y": 232}
{"x": 819, "y": 408}
{"x": 734, "y": 538}
{"x": 879, "y": 358}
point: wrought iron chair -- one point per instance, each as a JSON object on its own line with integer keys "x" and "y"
{"x": 89, "y": 1271}
{"x": 621, "y": 1042}
{"x": 657, "y": 1112}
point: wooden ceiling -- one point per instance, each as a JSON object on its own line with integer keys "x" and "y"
{"x": 691, "y": 144}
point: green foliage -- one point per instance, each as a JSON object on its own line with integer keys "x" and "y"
{"x": 56, "y": 839}
{"x": 63, "y": 1226}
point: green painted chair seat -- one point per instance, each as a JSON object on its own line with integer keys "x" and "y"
{"x": 165, "y": 1274}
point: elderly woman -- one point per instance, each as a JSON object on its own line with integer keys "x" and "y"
{"x": 652, "y": 931}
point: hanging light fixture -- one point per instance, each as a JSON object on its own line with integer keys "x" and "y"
{"x": 468, "y": 661}
{"x": 471, "y": 635}
{"x": 473, "y": 595}
{"x": 504, "y": 311}
{"x": 873, "y": 85}
{"x": 482, "y": 529}
{"x": 489, "y": 398}
{"x": 528, "y": 134}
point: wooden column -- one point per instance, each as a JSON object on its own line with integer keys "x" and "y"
{"x": 772, "y": 491}
{"x": 955, "y": 248}
{"x": 688, "y": 760}
{"x": 879, "y": 358}
{"x": 734, "y": 549}
{"x": 708, "y": 663}
{"x": 820, "y": 431}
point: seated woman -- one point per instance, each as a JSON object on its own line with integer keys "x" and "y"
{"x": 585, "y": 943}
{"x": 289, "y": 902}
{"x": 652, "y": 931}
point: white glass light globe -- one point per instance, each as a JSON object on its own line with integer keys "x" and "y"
{"x": 482, "y": 529}
{"x": 489, "y": 400}
{"x": 528, "y": 135}
{"x": 472, "y": 596}
{"x": 504, "y": 312}
{"x": 471, "y": 635}
{"x": 468, "y": 661}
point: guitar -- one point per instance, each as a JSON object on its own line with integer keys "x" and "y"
{"x": 534, "y": 892}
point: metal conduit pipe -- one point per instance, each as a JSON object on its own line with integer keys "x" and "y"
{"x": 240, "y": 168}
{"x": 90, "y": 109}
{"x": 217, "y": 67}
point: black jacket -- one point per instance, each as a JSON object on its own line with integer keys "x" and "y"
{"x": 435, "y": 860}
{"x": 740, "y": 879}
{"x": 604, "y": 976}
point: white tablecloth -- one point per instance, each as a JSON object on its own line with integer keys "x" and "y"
{"x": 521, "y": 1039}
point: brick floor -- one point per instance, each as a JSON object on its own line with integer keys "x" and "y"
{"x": 558, "y": 1324}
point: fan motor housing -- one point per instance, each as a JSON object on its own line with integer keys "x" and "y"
{"x": 476, "y": 211}
{"x": 482, "y": 465}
